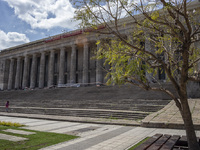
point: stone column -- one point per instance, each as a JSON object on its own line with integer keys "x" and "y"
{"x": 33, "y": 71}
{"x": 99, "y": 71}
{"x": 51, "y": 68}
{"x": 73, "y": 65}
{"x": 10, "y": 79}
{"x": 85, "y": 63}
{"x": 62, "y": 66}
{"x": 5, "y": 74}
{"x": 25, "y": 75}
{"x": 17, "y": 77}
{"x": 42, "y": 70}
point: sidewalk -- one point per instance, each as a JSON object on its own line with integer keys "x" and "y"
{"x": 92, "y": 136}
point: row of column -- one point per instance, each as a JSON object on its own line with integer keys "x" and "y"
{"x": 17, "y": 84}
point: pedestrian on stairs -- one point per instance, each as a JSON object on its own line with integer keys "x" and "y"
{"x": 7, "y": 106}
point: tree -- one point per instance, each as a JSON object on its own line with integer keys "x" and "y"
{"x": 160, "y": 35}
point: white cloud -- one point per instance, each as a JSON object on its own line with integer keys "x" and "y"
{"x": 44, "y": 14}
{"x": 31, "y": 31}
{"x": 12, "y": 39}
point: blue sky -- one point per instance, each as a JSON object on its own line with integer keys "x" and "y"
{"x": 23, "y": 21}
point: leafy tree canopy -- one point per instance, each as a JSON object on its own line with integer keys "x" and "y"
{"x": 142, "y": 38}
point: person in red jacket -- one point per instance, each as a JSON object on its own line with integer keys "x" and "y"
{"x": 7, "y": 106}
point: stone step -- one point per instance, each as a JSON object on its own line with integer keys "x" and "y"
{"x": 86, "y": 93}
{"x": 81, "y": 113}
{"x": 149, "y": 108}
{"x": 97, "y": 101}
{"x": 96, "y": 104}
{"x": 83, "y": 101}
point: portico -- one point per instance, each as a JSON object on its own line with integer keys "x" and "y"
{"x": 63, "y": 59}
{"x": 48, "y": 64}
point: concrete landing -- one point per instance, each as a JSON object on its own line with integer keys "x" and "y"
{"x": 170, "y": 117}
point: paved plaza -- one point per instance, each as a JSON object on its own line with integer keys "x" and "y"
{"x": 92, "y": 136}
{"x": 105, "y": 134}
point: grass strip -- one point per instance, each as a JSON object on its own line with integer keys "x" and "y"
{"x": 138, "y": 144}
{"x": 35, "y": 141}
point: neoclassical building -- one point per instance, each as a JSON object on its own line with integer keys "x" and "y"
{"x": 62, "y": 59}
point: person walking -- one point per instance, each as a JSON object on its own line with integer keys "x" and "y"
{"x": 7, "y": 106}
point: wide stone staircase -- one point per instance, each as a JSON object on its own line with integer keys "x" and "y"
{"x": 114, "y": 102}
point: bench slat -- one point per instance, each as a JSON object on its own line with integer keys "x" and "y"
{"x": 159, "y": 143}
{"x": 170, "y": 143}
{"x": 182, "y": 141}
{"x": 149, "y": 142}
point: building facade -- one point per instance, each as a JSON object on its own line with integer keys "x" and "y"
{"x": 62, "y": 59}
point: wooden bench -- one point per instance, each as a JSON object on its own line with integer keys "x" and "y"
{"x": 164, "y": 142}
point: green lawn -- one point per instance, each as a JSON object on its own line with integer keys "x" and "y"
{"x": 138, "y": 144}
{"x": 36, "y": 141}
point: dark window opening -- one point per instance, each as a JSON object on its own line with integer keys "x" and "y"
{"x": 14, "y": 72}
{"x": 66, "y": 61}
{"x": 37, "y": 72}
{"x": 161, "y": 74}
{"x": 65, "y": 80}
{"x": 56, "y": 63}
{"x": 77, "y": 78}
{"x": 46, "y": 71}
{"x": 89, "y": 51}
{"x": 22, "y": 74}
{"x": 29, "y": 72}
{"x": 88, "y": 77}
{"x": 77, "y": 60}
{"x": 55, "y": 80}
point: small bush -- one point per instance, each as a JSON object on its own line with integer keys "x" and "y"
{"x": 11, "y": 124}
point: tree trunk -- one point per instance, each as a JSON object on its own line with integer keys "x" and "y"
{"x": 189, "y": 127}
